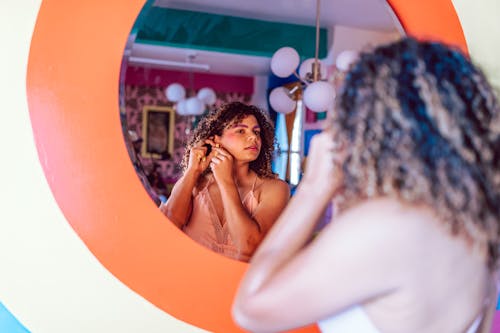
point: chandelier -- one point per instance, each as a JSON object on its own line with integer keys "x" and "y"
{"x": 193, "y": 105}
{"x": 318, "y": 94}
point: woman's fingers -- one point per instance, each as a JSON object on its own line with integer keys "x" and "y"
{"x": 215, "y": 148}
{"x": 198, "y": 145}
{"x": 222, "y": 152}
{"x": 323, "y": 152}
{"x": 210, "y": 142}
{"x": 201, "y": 148}
{"x": 214, "y": 163}
{"x": 199, "y": 153}
{"x": 219, "y": 157}
{"x": 198, "y": 156}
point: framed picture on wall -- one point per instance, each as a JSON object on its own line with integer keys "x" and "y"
{"x": 158, "y": 131}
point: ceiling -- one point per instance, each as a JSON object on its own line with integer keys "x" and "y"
{"x": 366, "y": 14}
{"x": 363, "y": 14}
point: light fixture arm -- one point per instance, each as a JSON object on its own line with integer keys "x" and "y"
{"x": 301, "y": 79}
{"x": 294, "y": 90}
{"x": 316, "y": 66}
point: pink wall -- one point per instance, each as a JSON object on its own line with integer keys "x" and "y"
{"x": 153, "y": 77}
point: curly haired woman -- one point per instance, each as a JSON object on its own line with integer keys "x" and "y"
{"x": 411, "y": 160}
{"x": 228, "y": 198}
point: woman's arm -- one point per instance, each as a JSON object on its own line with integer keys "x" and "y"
{"x": 354, "y": 260}
{"x": 179, "y": 205}
{"x": 291, "y": 282}
{"x": 247, "y": 232}
{"x": 295, "y": 226}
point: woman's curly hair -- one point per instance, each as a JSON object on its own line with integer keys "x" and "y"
{"x": 225, "y": 116}
{"x": 422, "y": 124}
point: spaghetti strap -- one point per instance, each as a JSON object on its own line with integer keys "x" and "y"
{"x": 249, "y": 199}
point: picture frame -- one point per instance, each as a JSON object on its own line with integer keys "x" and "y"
{"x": 158, "y": 127}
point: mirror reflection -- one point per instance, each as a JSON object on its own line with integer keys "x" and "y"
{"x": 186, "y": 60}
{"x": 228, "y": 197}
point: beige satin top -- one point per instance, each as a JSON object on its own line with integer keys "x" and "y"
{"x": 205, "y": 227}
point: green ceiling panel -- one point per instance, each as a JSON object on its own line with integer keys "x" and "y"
{"x": 229, "y": 34}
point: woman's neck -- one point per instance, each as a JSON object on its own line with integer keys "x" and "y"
{"x": 242, "y": 173}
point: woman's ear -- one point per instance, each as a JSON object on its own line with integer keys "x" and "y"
{"x": 216, "y": 139}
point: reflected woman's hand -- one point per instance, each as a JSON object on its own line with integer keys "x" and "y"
{"x": 222, "y": 166}
{"x": 198, "y": 158}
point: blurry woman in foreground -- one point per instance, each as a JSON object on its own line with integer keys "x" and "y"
{"x": 411, "y": 161}
{"x": 228, "y": 197}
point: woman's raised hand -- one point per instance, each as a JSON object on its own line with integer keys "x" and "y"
{"x": 221, "y": 164}
{"x": 198, "y": 158}
{"x": 323, "y": 168}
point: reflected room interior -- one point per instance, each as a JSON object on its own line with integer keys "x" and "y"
{"x": 184, "y": 58}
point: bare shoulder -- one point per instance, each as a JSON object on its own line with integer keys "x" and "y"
{"x": 274, "y": 186}
{"x": 380, "y": 212}
{"x": 382, "y": 223}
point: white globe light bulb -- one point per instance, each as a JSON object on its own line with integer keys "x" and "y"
{"x": 207, "y": 95}
{"x": 319, "y": 96}
{"x": 180, "y": 108}
{"x": 284, "y": 61}
{"x": 194, "y": 106}
{"x": 345, "y": 59}
{"x": 306, "y": 67}
{"x": 175, "y": 92}
{"x": 280, "y": 101}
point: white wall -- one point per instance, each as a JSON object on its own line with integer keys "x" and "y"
{"x": 347, "y": 38}
{"x": 49, "y": 280}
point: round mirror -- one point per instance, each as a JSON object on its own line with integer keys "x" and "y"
{"x": 179, "y": 50}
{"x": 264, "y": 54}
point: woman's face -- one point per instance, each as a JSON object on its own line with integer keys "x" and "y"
{"x": 242, "y": 139}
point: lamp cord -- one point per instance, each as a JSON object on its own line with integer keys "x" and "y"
{"x": 190, "y": 59}
{"x": 316, "y": 51}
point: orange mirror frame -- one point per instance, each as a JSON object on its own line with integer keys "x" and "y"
{"x": 72, "y": 80}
